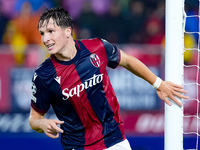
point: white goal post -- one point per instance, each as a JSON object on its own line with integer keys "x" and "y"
{"x": 174, "y": 64}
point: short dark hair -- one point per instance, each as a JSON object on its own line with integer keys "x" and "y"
{"x": 61, "y": 17}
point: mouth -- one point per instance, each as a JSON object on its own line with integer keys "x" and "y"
{"x": 50, "y": 46}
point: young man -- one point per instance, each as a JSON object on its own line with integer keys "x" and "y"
{"x": 74, "y": 81}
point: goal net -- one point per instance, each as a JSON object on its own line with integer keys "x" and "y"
{"x": 191, "y": 120}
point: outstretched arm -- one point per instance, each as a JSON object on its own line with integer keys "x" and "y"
{"x": 43, "y": 125}
{"x": 165, "y": 90}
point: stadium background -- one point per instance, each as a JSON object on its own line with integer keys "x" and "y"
{"x": 135, "y": 26}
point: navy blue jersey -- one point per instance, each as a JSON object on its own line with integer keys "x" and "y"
{"x": 81, "y": 95}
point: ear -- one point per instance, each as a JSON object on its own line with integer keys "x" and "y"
{"x": 68, "y": 31}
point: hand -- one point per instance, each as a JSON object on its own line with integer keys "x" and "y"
{"x": 170, "y": 90}
{"x": 49, "y": 126}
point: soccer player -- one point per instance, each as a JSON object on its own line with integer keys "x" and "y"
{"x": 74, "y": 81}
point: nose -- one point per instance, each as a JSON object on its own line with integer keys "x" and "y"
{"x": 45, "y": 38}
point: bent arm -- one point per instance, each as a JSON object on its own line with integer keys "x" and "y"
{"x": 35, "y": 119}
{"x": 43, "y": 125}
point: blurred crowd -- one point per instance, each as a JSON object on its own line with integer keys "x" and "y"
{"x": 118, "y": 21}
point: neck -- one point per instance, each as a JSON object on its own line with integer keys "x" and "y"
{"x": 69, "y": 52}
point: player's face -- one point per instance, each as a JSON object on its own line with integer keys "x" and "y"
{"x": 54, "y": 37}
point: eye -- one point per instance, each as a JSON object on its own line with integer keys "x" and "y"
{"x": 51, "y": 31}
{"x": 41, "y": 33}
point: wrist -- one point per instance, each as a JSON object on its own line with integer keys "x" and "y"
{"x": 157, "y": 83}
{"x": 40, "y": 125}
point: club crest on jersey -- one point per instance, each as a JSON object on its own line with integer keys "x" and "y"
{"x": 95, "y": 60}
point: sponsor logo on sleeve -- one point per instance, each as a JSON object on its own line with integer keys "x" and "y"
{"x": 33, "y": 90}
{"x": 35, "y": 76}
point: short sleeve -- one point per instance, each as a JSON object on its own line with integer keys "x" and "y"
{"x": 40, "y": 100}
{"x": 113, "y": 54}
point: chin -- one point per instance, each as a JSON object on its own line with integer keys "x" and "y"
{"x": 52, "y": 52}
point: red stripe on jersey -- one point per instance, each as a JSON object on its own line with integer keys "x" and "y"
{"x": 113, "y": 104}
{"x": 82, "y": 106}
{"x": 108, "y": 89}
